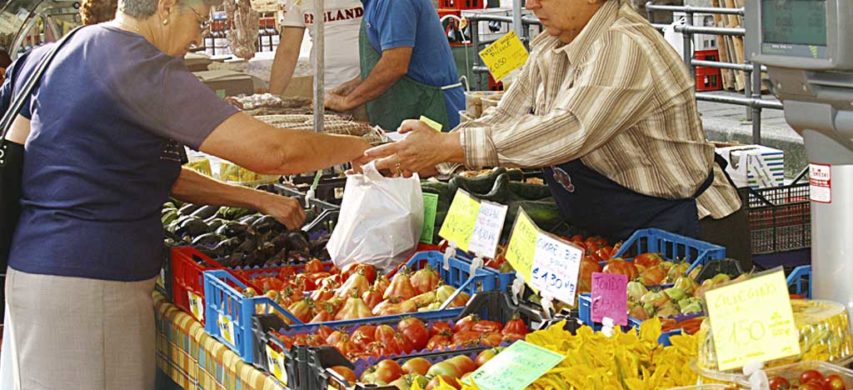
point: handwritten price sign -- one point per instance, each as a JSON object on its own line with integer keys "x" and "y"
{"x": 752, "y": 321}
{"x": 555, "y": 268}
{"x": 458, "y": 226}
{"x": 487, "y": 229}
{"x": 610, "y": 297}
{"x": 504, "y": 55}
{"x": 523, "y": 361}
{"x": 522, "y": 245}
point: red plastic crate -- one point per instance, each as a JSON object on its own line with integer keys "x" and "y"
{"x": 187, "y": 266}
{"x": 708, "y": 79}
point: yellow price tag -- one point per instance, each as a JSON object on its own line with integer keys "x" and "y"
{"x": 431, "y": 123}
{"x": 522, "y": 245}
{"x": 504, "y": 55}
{"x": 458, "y": 226}
{"x": 196, "y": 305}
{"x": 226, "y": 329}
{"x": 752, "y": 321}
{"x": 275, "y": 363}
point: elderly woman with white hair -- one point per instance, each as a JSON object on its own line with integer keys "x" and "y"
{"x": 102, "y": 134}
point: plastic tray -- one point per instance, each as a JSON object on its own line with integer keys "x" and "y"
{"x": 791, "y": 372}
{"x": 224, "y": 299}
{"x": 671, "y": 246}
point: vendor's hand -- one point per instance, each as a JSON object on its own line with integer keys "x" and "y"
{"x": 286, "y": 210}
{"x": 420, "y": 151}
{"x": 336, "y": 102}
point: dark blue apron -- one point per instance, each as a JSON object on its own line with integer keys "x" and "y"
{"x": 592, "y": 202}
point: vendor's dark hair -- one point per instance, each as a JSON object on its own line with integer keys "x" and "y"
{"x": 141, "y": 9}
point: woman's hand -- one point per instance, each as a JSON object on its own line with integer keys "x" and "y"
{"x": 286, "y": 210}
{"x": 421, "y": 150}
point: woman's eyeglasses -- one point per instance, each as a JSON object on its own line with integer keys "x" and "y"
{"x": 203, "y": 23}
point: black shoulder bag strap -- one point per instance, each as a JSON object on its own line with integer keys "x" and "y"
{"x": 21, "y": 97}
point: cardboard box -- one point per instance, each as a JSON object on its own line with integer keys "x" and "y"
{"x": 755, "y": 166}
{"x": 227, "y": 82}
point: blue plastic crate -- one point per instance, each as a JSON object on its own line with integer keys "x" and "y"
{"x": 585, "y": 315}
{"x": 801, "y": 281}
{"x": 671, "y": 246}
{"x": 224, "y": 297}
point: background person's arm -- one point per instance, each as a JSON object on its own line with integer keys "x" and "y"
{"x": 392, "y": 66}
{"x": 286, "y": 57}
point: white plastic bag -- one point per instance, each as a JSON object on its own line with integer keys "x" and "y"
{"x": 675, "y": 39}
{"x": 380, "y": 220}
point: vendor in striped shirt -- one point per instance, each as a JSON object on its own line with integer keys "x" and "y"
{"x": 607, "y": 108}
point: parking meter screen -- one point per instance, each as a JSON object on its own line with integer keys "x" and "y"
{"x": 794, "y": 28}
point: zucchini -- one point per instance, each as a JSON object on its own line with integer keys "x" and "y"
{"x": 479, "y": 185}
{"x": 524, "y": 191}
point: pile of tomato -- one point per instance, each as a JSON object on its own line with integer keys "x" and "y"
{"x": 451, "y": 371}
{"x": 809, "y": 380}
{"x": 410, "y": 335}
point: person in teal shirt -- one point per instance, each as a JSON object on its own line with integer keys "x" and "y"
{"x": 407, "y": 68}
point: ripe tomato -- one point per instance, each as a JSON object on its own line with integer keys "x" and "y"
{"x": 346, "y": 373}
{"x": 416, "y": 365}
{"x": 435, "y": 383}
{"x": 463, "y": 363}
{"x": 619, "y": 266}
{"x": 588, "y": 266}
{"x": 467, "y": 338}
{"x": 388, "y": 371}
{"x": 813, "y": 385}
{"x": 438, "y": 341}
{"x": 466, "y": 323}
{"x": 835, "y": 382}
{"x": 404, "y": 345}
{"x": 485, "y": 356}
{"x": 444, "y": 368}
{"x": 491, "y": 339}
{"x": 484, "y": 326}
{"x": 810, "y": 375}
{"x": 647, "y": 260}
{"x": 779, "y": 383}
{"x": 365, "y": 334}
{"x": 440, "y": 327}
{"x": 515, "y": 326}
{"x": 335, "y": 337}
{"x": 415, "y": 332}
{"x": 324, "y": 332}
{"x": 313, "y": 266}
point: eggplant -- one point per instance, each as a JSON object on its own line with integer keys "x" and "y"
{"x": 232, "y": 229}
{"x": 233, "y": 213}
{"x": 249, "y": 219}
{"x": 207, "y": 240}
{"x": 277, "y": 259}
{"x": 205, "y": 212}
{"x": 297, "y": 241}
{"x": 214, "y": 223}
{"x": 188, "y": 209}
{"x": 248, "y": 245}
{"x": 266, "y": 223}
{"x": 192, "y": 227}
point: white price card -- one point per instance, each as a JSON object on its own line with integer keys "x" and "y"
{"x": 226, "y": 328}
{"x": 487, "y": 229}
{"x": 275, "y": 363}
{"x": 196, "y": 306}
{"x": 555, "y": 268}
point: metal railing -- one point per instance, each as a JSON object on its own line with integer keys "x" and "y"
{"x": 752, "y": 99}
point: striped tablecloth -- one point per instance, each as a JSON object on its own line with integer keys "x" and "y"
{"x": 196, "y": 361}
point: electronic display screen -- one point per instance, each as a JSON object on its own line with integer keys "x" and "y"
{"x": 794, "y": 28}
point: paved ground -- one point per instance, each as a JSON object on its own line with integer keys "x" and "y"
{"x": 725, "y": 122}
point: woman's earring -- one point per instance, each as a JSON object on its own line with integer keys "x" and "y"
{"x": 165, "y": 22}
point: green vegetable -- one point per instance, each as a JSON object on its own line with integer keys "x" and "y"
{"x": 480, "y": 185}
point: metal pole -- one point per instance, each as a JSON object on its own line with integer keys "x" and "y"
{"x": 756, "y": 110}
{"x": 475, "y": 47}
{"x": 688, "y": 45}
{"x": 516, "y": 17}
{"x": 747, "y": 92}
{"x": 319, "y": 49}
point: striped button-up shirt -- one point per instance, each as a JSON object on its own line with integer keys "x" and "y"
{"x": 618, "y": 98}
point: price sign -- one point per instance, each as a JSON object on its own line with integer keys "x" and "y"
{"x": 555, "y": 268}
{"x": 515, "y": 367}
{"x": 431, "y": 123}
{"x": 226, "y": 328}
{"x": 430, "y": 207}
{"x": 752, "y": 321}
{"x": 504, "y": 55}
{"x": 610, "y": 297}
{"x": 522, "y": 245}
{"x": 458, "y": 226}
{"x": 275, "y": 363}
{"x": 487, "y": 229}
{"x": 196, "y": 306}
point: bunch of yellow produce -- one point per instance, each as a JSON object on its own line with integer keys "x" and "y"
{"x": 627, "y": 360}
